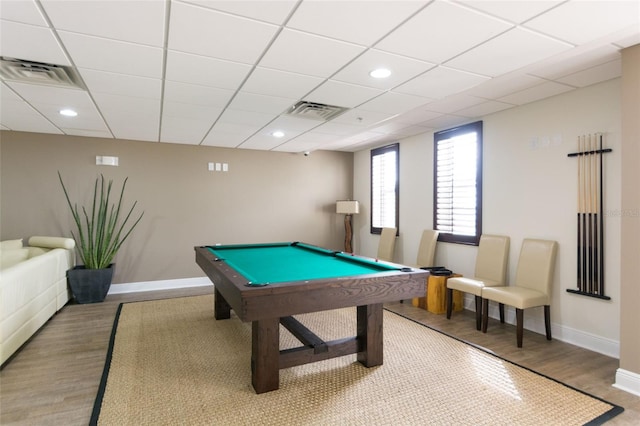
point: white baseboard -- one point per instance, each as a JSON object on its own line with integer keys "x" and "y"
{"x": 627, "y": 381}
{"x": 159, "y": 285}
{"x": 570, "y": 335}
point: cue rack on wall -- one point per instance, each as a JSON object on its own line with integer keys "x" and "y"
{"x": 590, "y": 229}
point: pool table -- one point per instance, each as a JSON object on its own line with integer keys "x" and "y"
{"x": 269, "y": 283}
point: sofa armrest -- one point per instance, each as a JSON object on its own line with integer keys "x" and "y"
{"x": 52, "y": 242}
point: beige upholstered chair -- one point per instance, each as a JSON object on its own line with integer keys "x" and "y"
{"x": 427, "y": 248}
{"x": 532, "y": 286}
{"x": 387, "y": 244}
{"x": 491, "y": 270}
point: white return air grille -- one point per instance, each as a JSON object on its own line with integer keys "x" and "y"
{"x": 315, "y": 111}
{"x": 23, "y": 71}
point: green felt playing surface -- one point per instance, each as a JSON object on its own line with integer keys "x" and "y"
{"x": 264, "y": 264}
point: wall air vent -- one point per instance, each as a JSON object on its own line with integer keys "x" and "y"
{"x": 315, "y": 111}
{"x": 22, "y": 71}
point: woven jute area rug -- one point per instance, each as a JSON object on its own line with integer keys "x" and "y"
{"x": 171, "y": 362}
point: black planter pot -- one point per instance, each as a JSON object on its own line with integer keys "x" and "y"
{"x": 90, "y": 285}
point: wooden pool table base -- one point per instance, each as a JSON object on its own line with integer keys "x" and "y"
{"x": 267, "y": 359}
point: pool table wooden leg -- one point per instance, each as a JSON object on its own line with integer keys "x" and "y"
{"x": 221, "y": 309}
{"x": 370, "y": 334}
{"x": 265, "y": 355}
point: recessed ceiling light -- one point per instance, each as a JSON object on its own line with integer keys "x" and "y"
{"x": 68, "y": 112}
{"x": 380, "y": 73}
{"x": 277, "y": 134}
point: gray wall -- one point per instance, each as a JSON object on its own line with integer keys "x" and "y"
{"x": 265, "y": 196}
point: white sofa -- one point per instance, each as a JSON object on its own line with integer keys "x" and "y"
{"x": 33, "y": 287}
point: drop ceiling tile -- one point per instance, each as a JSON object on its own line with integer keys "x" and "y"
{"x": 535, "y": 93}
{"x": 338, "y": 129}
{"x": 16, "y": 114}
{"x": 261, "y": 103}
{"x": 121, "y": 84}
{"x": 31, "y": 43}
{"x": 291, "y": 126}
{"x": 593, "y": 75}
{"x": 183, "y": 130}
{"x": 93, "y": 133}
{"x": 298, "y": 146}
{"x": 229, "y": 134}
{"x": 87, "y": 118}
{"x": 574, "y": 60}
{"x": 130, "y": 117}
{"x": 272, "y": 11}
{"x": 513, "y": 11}
{"x": 401, "y": 67}
{"x": 446, "y": 121}
{"x": 265, "y": 81}
{"x": 356, "y": 142}
{"x": 206, "y": 32}
{"x": 440, "y": 82}
{"x": 204, "y": 71}
{"x": 308, "y": 54}
{"x": 194, "y": 111}
{"x": 394, "y": 103}
{"x": 205, "y": 96}
{"x": 135, "y": 21}
{"x": 360, "y": 117}
{"x": 26, "y": 12}
{"x": 310, "y": 141}
{"x": 454, "y": 103}
{"x": 342, "y": 94}
{"x": 246, "y": 118}
{"x": 484, "y": 108}
{"x": 507, "y": 52}
{"x": 503, "y": 85}
{"x": 430, "y": 35}
{"x": 583, "y": 21}
{"x": 400, "y": 129}
{"x": 415, "y": 116}
{"x": 115, "y": 56}
{"x": 627, "y": 38}
{"x": 361, "y": 22}
{"x": 57, "y": 96}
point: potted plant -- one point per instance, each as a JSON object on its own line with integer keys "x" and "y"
{"x": 99, "y": 235}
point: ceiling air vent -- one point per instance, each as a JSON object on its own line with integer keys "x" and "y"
{"x": 315, "y": 111}
{"x": 23, "y": 71}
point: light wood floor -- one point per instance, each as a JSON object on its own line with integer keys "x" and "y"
{"x": 55, "y": 377}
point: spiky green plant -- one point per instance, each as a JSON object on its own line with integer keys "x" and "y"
{"x": 101, "y": 233}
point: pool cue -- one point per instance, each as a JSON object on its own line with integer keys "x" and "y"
{"x": 579, "y": 242}
{"x": 585, "y": 225}
{"x": 585, "y": 235}
{"x": 596, "y": 259}
{"x": 590, "y": 212}
{"x": 600, "y": 208}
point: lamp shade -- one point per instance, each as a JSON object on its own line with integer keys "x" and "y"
{"x": 347, "y": 207}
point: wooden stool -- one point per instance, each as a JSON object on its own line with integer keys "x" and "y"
{"x": 435, "y": 295}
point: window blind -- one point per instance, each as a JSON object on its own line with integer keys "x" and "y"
{"x": 384, "y": 188}
{"x": 457, "y": 185}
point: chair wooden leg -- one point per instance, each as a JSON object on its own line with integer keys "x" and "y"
{"x": 547, "y": 320}
{"x": 519, "y": 325}
{"x": 501, "y": 309}
{"x": 478, "y": 313}
{"x": 449, "y": 297}
{"x": 485, "y": 314}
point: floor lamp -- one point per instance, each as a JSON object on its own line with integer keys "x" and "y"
{"x": 348, "y": 209}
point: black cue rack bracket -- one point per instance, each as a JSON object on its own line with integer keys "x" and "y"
{"x": 590, "y": 221}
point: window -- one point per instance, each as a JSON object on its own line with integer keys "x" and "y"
{"x": 384, "y": 188}
{"x": 458, "y": 184}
